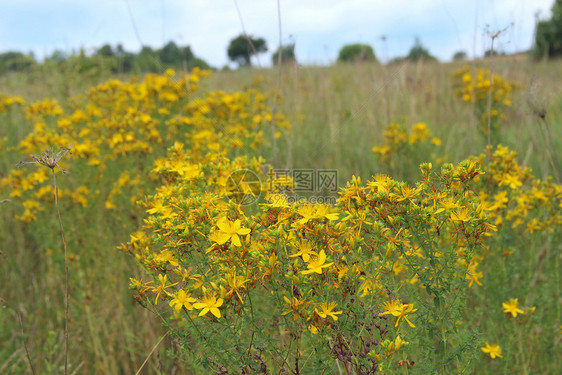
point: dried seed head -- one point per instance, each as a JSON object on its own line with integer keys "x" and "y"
{"x": 49, "y": 158}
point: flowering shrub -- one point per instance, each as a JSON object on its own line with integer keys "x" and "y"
{"x": 293, "y": 286}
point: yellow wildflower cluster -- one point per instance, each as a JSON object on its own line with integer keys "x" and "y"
{"x": 6, "y": 102}
{"x": 7, "y": 105}
{"x": 473, "y": 86}
{"x": 310, "y": 265}
{"x": 398, "y": 139}
{"x": 513, "y": 197}
{"x": 118, "y": 129}
{"x": 43, "y": 108}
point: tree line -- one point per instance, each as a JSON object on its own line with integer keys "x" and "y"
{"x": 243, "y": 47}
{"x": 111, "y": 58}
{"x": 548, "y": 43}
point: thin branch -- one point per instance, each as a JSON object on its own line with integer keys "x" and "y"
{"x": 152, "y": 351}
{"x": 130, "y": 11}
{"x": 556, "y": 161}
{"x": 25, "y": 345}
{"x": 493, "y": 36}
{"x": 253, "y": 324}
{"x": 490, "y": 98}
{"x": 65, "y": 275}
{"x": 278, "y": 87}
{"x": 248, "y": 39}
{"x": 50, "y": 159}
{"x": 295, "y": 113}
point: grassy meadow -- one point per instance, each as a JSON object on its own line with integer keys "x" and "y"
{"x": 444, "y": 260}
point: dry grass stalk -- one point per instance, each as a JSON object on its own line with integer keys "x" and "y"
{"x": 50, "y": 159}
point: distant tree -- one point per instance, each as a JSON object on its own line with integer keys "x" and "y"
{"x": 488, "y": 53}
{"x": 107, "y": 59}
{"x": 105, "y": 51}
{"x": 147, "y": 60}
{"x": 186, "y": 53}
{"x": 460, "y": 55}
{"x": 170, "y": 54}
{"x": 57, "y": 56}
{"x": 356, "y": 53}
{"x": 396, "y": 60}
{"x": 125, "y": 60}
{"x": 240, "y": 49}
{"x": 92, "y": 66}
{"x": 287, "y": 54}
{"x": 15, "y": 61}
{"x": 116, "y": 60}
{"x": 146, "y": 50}
{"x": 197, "y": 62}
{"x": 419, "y": 52}
{"x": 548, "y": 34}
{"x": 126, "y": 63}
{"x": 120, "y": 51}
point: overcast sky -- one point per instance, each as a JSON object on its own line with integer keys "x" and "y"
{"x": 318, "y": 27}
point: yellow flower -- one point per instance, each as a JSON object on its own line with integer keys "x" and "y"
{"x": 381, "y": 150}
{"x": 460, "y": 215}
{"x": 229, "y": 231}
{"x": 162, "y": 287}
{"x": 305, "y": 250}
{"x": 407, "y": 193}
{"x": 532, "y": 226}
{"x": 473, "y": 274}
{"x": 277, "y": 201}
{"x": 493, "y": 350}
{"x": 140, "y": 286}
{"x": 327, "y": 310}
{"x": 323, "y": 211}
{"x": 395, "y": 345}
{"x": 209, "y": 303}
{"x": 166, "y": 256}
{"x": 399, "y": 310}
{"x": 317, "y": 263}
{"x": 235, "y": 284}
{"x": 307, "y": 212}
{"x": 294, "y": 305}
{"x": 510, "y": 180}
{"x": 182, "y": 300}
{"x": 312, "y": 328}
{"x": 512, "y": 307}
